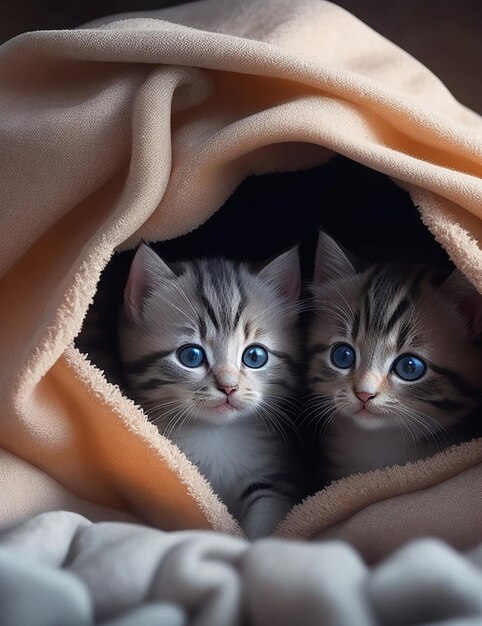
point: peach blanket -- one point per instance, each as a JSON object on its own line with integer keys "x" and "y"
{"x": 141, "y": 127}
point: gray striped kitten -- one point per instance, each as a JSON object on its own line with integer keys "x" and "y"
{"x": 209, "y": 350}
{"x": 393, "y": 365}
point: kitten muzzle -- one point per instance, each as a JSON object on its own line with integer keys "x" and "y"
{"x": 228, "y": 390}
{"x": 364, "y": 396}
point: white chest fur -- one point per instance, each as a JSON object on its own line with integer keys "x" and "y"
{"x": 232, "y": 456}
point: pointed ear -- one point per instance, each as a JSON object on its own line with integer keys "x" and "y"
{"x": 147, "y": 271}
{"x": 467, "y": 299}
{"x": 283, "y": 273}
{"x": 331, "y": 263}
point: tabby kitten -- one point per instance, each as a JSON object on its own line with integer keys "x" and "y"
{"x": 209, "y": 350}
{"x": 393, "y": 366}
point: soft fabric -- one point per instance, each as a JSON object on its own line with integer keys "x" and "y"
{"x": 141, "y": 128}
{"x": 78, "y": 573}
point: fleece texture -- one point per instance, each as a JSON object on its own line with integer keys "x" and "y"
{"x": 208, "y": 579}
{"x": 140, "y": 127}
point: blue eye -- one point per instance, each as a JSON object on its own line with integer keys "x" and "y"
{"x": 191, "y": 356}
{"x": 255, "y": 356}
{"x": 409, "y": 367}
{"x": 343, "y": 356}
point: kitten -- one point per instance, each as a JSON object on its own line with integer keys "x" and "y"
{"x": 209, "y": 350}
{"x": 393, "y": 365}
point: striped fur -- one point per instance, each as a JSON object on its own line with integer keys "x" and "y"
{"x": 237, "y": 441}
{"x": 384, "y": 312}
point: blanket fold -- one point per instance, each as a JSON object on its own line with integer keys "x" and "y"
{"x": 126, "y": 575}
{"x": 140, "y": 127}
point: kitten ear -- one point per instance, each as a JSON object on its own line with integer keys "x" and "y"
{"x": 331, "y": 263}
{"x": 283, "y": 273}
{"x": 147, "y": 271}
{"x": 468, "y": 300}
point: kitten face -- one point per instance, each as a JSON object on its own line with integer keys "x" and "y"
{"x": 389, "y": 350}
{"x": 211, "y": 342}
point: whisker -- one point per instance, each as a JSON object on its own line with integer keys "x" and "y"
{"x": 282, "y": 417}
{"x": 273, "y": 421}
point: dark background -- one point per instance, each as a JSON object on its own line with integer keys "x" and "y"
{"x": 446, "y": 35}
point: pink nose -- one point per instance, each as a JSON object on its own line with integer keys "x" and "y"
{"x": 364, "y": 396}
{"x": 229, "y": 390}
